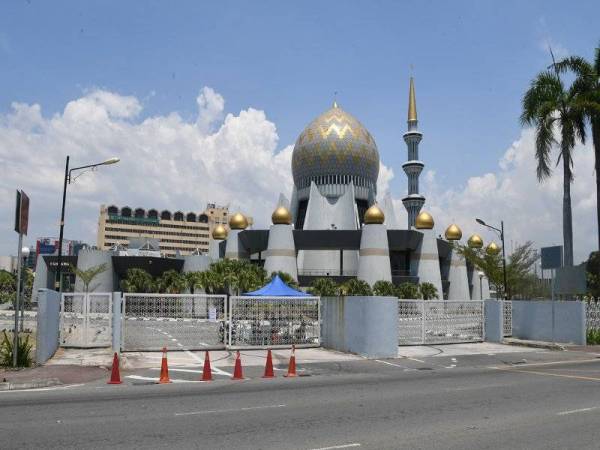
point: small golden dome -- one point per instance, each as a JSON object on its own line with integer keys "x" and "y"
{"x": 453, "y": 233}
{"x": 475, "y": 241}
{"x": 219, "y": 233}
{"x": 238, "y": 222}
{"x": 492, "y": 249}
{"x": 424, "y": 221}
{"x": 281, "y": 216}
{"x": 374, "y": 215}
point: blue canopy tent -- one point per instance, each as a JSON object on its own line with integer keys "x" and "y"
{"x": 276, "y": 288}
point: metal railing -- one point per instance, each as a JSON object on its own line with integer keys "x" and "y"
{"x": 440, "y": 322}
{"x": 327, "y": 273}
{"x": 174, "y": 321}
{"x": 258, "y": 322}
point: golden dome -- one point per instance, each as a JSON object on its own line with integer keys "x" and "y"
{"x": 238, "y": 222}
{"x": 281, "y": 216}
{"x": 374, "y": 215}
{"x": 453, "y": 233}
{"x": 219, "y": 233}
{"x": 424, "y": 221}
{"x": 492, "y": 249}
{"x": 475, "y": 241}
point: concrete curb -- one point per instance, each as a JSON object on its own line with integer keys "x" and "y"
{"x": 534, "y": 344}
{"x": 8, "y": 386}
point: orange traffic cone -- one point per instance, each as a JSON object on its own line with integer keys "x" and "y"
{"x": 237, "y": 371}
{"x": 207, "y": 371}
{"x": 115, "y": 375}
{"x": 164, "y": 368}
{"x": 269, "y": 366}
{"x": 292, "y": 367}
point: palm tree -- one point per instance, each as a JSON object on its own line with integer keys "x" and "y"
{"x": 546, "y": 105}
{"x": 137, "y": 280}
{"x": 88, "y": 275}
{"x": 587, "y": 92}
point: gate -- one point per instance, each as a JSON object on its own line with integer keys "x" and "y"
{"x": 258, "y": 322}
{"x": 86, "y": 319}
{"x": 175, "y": 321}
{"x": 440, "y": 322}
{"x": 507, "y": 317}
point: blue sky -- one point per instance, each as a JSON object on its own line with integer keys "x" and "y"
{"x": 471, "y": 60}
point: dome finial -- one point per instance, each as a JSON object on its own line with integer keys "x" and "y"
{"x": 412, "y": 102}
{"x": 335, "y": 105}
{"x": 374, "y": 215}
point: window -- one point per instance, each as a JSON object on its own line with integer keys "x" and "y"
{"x": 178, "y": 216}
{"x": 165, "y": 215}
{"x": 126, "y": 211}
{"x": 153, "y": 214}
{"x": 140, "y": 213}
{"x": 203, "y": 218}
{"x": 113, "y": 210}
{"x": 191, "y": 217}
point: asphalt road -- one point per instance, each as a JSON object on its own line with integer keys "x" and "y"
{"x": 393, "y": 404}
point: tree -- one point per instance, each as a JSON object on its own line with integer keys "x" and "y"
{"x": 137, "y": 280}
{"x": 193, "y": 281}
{"x": 587, "y": 97}
{"x": 408, "y": 291}
{"x": 384, "y": 288}
{"x": 171, "y": 282}
{"x": 593, "y": 274}
{"x": 355, "y": 287}
{"x": 324, "y": 287}
{"x": 87, "y": 276}
{"x": 428, "y": 291}
{"x": 8, "y": 283}
{"x": 548, "y": 105}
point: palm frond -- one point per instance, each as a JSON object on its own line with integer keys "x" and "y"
{"x": 543, "y": 144}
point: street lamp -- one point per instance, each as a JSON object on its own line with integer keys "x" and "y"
{"x": 501, "y": 232}
{"x": 68, "y": 172}
{"x": 481, "y": 274}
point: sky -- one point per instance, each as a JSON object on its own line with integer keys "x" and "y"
{"x": 204, "y": 101}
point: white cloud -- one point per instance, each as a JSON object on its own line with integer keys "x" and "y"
{"x": 386, "y": 174}
{"x": 530, "y": 210}
{"x": 166, "y": 162}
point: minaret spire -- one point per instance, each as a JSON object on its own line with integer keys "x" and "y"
{"x": 414, "y": 201}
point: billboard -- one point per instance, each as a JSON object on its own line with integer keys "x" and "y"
{"x": 552, "y": 257}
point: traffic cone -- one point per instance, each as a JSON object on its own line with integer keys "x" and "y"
{"x": 269, "y": 366}
{"x": 292, "y": 367}
{"x": 237, "y": 371}
{"x": 164, "y": 368}
{"x": 207, "y": 371}
{"x": 115, "y": 375}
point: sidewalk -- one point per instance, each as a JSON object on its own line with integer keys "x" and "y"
{"x": 44, "y": 376}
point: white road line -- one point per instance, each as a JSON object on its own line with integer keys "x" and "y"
{"x": 139, "y": 377}
{"x": 575, "y": 411}
{"x": 550, "y": 363}
{"x": 214, "y": 411}
{"x": 391, "y": 364}
{"x": 415, "y": 359}
{"x": 214, "y": 369}
{"x": 354, "y": 444}
{"x": 49, "y": 388}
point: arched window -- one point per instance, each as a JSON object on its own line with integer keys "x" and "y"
{"x": 203, "y": 218}
{"x": 191, "y": 217}
{"x": 126, "y": 211}
{"x": 178, "y": 216}
{"x": 165, "y": 215}
{"x": 113, "y": 210}
{"x": 152, "y": 214}
{"x": 140, "y": 213}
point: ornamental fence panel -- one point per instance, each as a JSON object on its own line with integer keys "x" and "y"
{"x": 507, "y": 310}
{"x": 259, "y": 322}
{"x": 175, "y": 321}
{"x": 592, "y": 315}
{"x": 86, "y": 319}
{"x": 440, "y": 322}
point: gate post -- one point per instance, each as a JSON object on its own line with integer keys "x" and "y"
{"x": 117, "y": 325}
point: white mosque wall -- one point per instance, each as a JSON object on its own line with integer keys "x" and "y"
{"x": 374, "y": 259}
{"x": 281, "y": 251}
{"x": 457, "y": 276}
{"x": 233, "y": 248}
{"x": 425, "y": 262}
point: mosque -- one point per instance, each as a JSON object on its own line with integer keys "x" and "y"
{"x": 333, "y": 226}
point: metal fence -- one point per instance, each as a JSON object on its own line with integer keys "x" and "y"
{"x": 592, "y": 315}
{"x": 86, "y": 320}
{"x": 175, "y": 321}
{"x": 507, "y": 310}
{"x": 440, "y": 322}
{"x": 274, "y": 321}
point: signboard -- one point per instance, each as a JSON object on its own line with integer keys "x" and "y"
{"x": 22, "y": 213}
{"x": 552, "y": 257}
{"x": 571, "y": 281}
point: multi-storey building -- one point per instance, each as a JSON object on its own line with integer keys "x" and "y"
{"x": 185, "y": 233}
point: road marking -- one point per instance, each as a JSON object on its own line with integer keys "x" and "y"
{"x": 391, "y": 364}
{"x": 535, "y": 372}
{"x": 415, "y": 359}
{"x": 154, "y": 379}
{"x": 575, "y": 411}
{"x": 550, "y": 363}
{"x": 49, "y": 388}
{"x": 354, "y": 444}
{"x": 214, "y": 369}
{"x": 214, "y": 411}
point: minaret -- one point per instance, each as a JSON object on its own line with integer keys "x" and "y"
{"x": 414, "y": 201}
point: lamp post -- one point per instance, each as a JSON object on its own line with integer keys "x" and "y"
{"x": 501, "y": 232}
{"x": 481, "y": 274}
{"x": 68, "y": 172}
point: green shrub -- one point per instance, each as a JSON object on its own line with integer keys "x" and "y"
{"x": 384, "y": 288}
{"x": 593, "y": 336}
{"x": 355, "y": 287}
{"x": 23, "y": 355}
{"x": 324, "y": 287}
{"x": 428, "y": 291}
{"x": 408, "y": 291}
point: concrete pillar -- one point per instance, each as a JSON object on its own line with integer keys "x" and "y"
{"x": 281, "y": 251}
{"x": 41, "y": 278}
{"x": 425, "y": 262}
{"x": 105, "y": 281}
{"x": 196, "y": 263}
{"x": 457, "y": 276}
{"x": 485, "y": 288}
{"x": 494, "y": 321}
{"x": 213, "y": 249}
{"x": 374, "y": 255}
{"x": 48, "y": 325}
{"x": 234, "y": 248}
